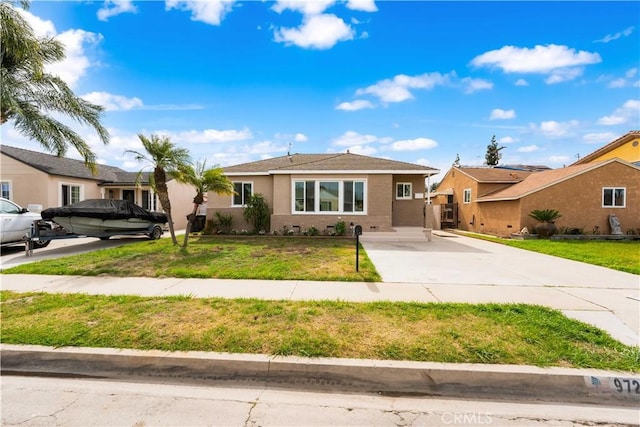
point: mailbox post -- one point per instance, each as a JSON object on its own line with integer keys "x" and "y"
{"x": 357, "y": 231}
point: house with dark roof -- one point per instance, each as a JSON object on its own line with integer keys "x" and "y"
{"x": 498, "y": 200}
{"x": 319, "y": 190}
{"x": 30, "y": 177}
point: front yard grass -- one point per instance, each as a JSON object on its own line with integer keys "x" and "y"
{"x": 226, "y": 257}
{"x": 617, "y": 255}
{"x": 439, "y": 332}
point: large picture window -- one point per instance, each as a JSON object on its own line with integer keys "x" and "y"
{"x": 329, "y": 196}
{"x": 613, "y": 197}
{"x": 243, "y": 190}
{"x": 149, "y": 200}
{"x": 403, "y": 190}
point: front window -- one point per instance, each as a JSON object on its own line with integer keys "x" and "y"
{"x": 467, "y": 195}
{"x": 242, "y": 192}
{"x": 613, "y": 197}
{"x": 329, "y": 196}
{"x": 70, "y": 194}
{"x": 149, "y": 200}
{"x": 5, "y": 188}
{"x": 403, "y": 190}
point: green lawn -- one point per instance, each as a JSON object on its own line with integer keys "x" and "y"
{"x": 222, "y": 257}
{"x": 617, "y": 255}
{"x": 455, "y": 333}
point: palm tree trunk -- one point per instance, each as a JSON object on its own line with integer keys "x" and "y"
{"x": 190, "y": 218}
{"x": 163, "y": 194}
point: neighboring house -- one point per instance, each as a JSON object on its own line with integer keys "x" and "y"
{"x": 29, "y": 177}
{"x": 318, "y": 190}
{"x": 627, "y": 148}
{"x": 498, "y": 202}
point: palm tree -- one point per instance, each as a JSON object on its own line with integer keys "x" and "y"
{"x": 29, "y": 93}
{"x": 203, "y": 180}
{"x": 167, "y": 161}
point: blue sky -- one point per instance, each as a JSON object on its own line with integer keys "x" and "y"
{"x": 416, "y": 81}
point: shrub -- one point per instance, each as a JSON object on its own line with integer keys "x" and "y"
{"x": 312, "y": 231}
{"x": 224, "y": 221}
{"x": 341, "y": 228}
{"x": 257, "y": 212}
{"x": 545, "y": 215}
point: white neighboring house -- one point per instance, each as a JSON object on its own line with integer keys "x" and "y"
{"x": 29, "y": 177}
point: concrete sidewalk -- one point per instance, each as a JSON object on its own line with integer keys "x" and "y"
{"x": 449, "y": 268}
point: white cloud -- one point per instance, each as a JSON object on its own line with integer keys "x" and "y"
{"x": 610, "y": 37}
{"x": 208, "y": 136}
{"x": 115, "y": 7}
{"x": 305, "y": 7}
{"x": 316, "y": 32}
{"x": 627, "y": 80}
{"x": 75, "y": 65}
{"x": 113, "y": 102}
{"x": 563, "y": 75}
{"x": 528, "y": 149}
{"x": 599, "y": 138}
{"x": 628, "y": 113}
{"x": 474, "y": 85}
{"x": 363, "y": 5}
{"x": 554, "y": 129}
{"x": 397, "y": 89}
{"x": 264, "y": 147}
{"x": 617, "y": 83}
{"x": 210, "y": 11}
{"x": 507, "y": 140}
{"x": 414, "y": 144}
{"x": 558, "y": 159}
{"x": 300, "y": 137}
{"x": 365, "y": 150}
{"x": 352, "y": 138}
{"x": 522, "y": 82}
{"x": 561, "y": 61}
{"x": 356, "y": 105}
{"x": 499, "y": 114}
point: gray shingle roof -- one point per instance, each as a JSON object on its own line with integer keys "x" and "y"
{"x": 327, "y": 163}
{"x": 63, "y": 166}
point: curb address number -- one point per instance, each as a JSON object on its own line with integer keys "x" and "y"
{"x": 626, "y": 386}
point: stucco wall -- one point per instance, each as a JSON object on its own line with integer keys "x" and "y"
{"x": 629, "y": 151}
{"x": 409, "y": 213}
{"x": 579, "y": 200}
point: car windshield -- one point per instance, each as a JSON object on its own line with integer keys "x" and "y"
{"x": 8, "y": 207}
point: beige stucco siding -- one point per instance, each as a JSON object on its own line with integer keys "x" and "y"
{"x": 579, "y": 200}
{"x": 27, "y": 185}
{"x": 409, "y": 212}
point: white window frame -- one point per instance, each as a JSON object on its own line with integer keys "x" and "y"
{"x": 243, "y": 201}
{"x": 152, "y": 199}
{"x": 9, "y": 185}
{"x": 70, "y": 185}
{"x": 466, "y": 196}
{"x": 613, "y": 199}
{"x": 316, "y": 198}
{"x": 405, "y": 195}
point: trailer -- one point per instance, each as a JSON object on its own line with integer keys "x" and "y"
{"x": 45, "y": 231}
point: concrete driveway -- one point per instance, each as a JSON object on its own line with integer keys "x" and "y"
{"x": 456, "y": 268}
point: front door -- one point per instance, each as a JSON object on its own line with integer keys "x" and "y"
{"x": 129, "y": 195}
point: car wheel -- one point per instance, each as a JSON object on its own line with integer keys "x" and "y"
{"x": 104, "y": 237}
{"x": 156, "y": 233}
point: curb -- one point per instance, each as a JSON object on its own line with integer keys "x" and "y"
{"x": 385, "y": 377}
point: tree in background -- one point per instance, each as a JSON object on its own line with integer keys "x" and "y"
{"x": 167, "y": 161}
{"x": 493, "y": 156}
{"x": 30, "y": 94}
{"x": 203, "y": 180}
